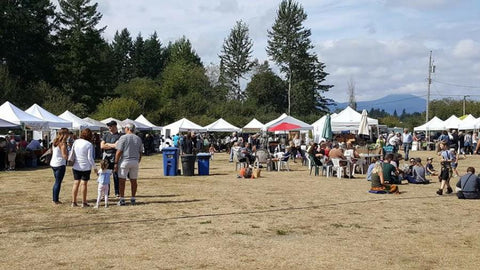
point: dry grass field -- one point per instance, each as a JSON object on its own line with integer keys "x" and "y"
{"x": 283, "y": 220}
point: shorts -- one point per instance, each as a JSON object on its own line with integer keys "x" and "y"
{"x": 454, "y": 165}
{"x": 128, "y": 168}
{"x": 81, "y": 175}
{"x": 445, "y": 174}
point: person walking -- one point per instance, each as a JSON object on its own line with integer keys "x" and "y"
{"x": 108, "y": 145}
{"x": 407, "y": 140}
{"x": 127, "y": 159}
{"x": 58, "y": 162}
{"x": 446, "y": 172}
{"x": 83, "y": 162}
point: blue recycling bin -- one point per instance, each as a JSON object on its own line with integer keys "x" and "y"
{"x": 203, "y": 163}
{"x": 170, "y": 161}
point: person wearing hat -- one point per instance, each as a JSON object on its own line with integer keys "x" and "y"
{"x": 108, "y": 145}
{"x": 418, "y": 173}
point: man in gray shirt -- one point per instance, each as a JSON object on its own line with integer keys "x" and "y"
{"x": 469, "y": 185}
{"x": 127, "y": 158}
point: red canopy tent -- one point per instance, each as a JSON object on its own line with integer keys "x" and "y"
{"x": 284, "y": 126}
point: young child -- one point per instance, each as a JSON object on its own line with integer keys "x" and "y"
{"x": 454, "y": 162}
{"x": 212, "y": 151}
{"x": 429, "y": 167}
{"x": 103, "y": 182}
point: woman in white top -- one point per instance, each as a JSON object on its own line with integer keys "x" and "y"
{"x": 82, "y": 154}
{"x": 59, "y": 161}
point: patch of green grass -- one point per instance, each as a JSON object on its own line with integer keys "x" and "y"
{"x": 206, "y": 222}
{"x": 337, "y": 225}
{"x": 282, "y": 232}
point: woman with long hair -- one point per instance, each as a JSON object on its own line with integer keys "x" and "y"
{"x": 58, "y": 161}
{"x": 82, "y": 155}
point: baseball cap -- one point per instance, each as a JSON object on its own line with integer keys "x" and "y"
{"x": 112, "y": 123}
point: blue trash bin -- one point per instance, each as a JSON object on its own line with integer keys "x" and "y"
{"x": 170, "y": 161}
{"x": 203, "y": 163}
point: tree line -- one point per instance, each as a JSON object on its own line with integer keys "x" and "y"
{"x": 60, "y": 60}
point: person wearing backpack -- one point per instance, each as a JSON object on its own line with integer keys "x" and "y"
{"x": 468, "y": 187}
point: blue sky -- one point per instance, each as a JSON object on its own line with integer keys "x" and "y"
{"x": 381, "y": 45}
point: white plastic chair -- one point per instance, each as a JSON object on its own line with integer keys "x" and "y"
{"x": 282, "y": 164}
{"x": 326, "y": 168}
{"x": 261, "y": 157}
{"x": 336, "y": 166}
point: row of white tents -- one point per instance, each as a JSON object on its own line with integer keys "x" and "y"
{"x": 39, "y": 119}
{"x": 468, "y": 122}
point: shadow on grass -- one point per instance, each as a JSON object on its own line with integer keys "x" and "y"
{"x": 194, "y": 216}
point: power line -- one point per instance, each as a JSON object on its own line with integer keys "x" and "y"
{"x": 454, "y": 84}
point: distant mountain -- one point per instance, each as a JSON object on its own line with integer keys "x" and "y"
{"x": 389, "y": 103}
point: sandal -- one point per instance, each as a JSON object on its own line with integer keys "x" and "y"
{"x": 74, "y": 204}
{"x": 85, "y": 204}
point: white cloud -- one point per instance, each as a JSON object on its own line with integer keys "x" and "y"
{"x": 467, "y": 48}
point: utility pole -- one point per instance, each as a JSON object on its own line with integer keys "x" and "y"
{"x": 464, "y": 101}
{"x": 431, "y": 69}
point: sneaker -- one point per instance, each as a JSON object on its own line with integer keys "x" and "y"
{"x": 96, "y": 206}
{"x": 106, "y": 205}
{"x": 121, "y": 203}
{"x": 449, "y": 190}
{"x": 439, "y": 192}
{"x": 85, "y": 205}
{"x": 133, "y": 202}
{"x": 74, "y": 204}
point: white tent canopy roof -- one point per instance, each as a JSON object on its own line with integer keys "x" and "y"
{"x": 469, "y": 122}
{"x": 434, "y": 124}
{"x": 253, "y": 126}
{"x": 145, "y": 121}
{"x": 54, "y": 122}
{"x": 95, "y": 122}
{"x": 284, "y": 118}
{"x": 182, "y": 125}
{"x": 6, "y": 124}
{"x": 452, "y": 122}
{"x": 349, "y": 119}
{"x": 138, "y": 125}
{"x": 221, "y": 126}
{"x": 77, "y": 122}
{"x": 13, "y": 114}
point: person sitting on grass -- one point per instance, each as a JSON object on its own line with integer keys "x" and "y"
{"x": 370, "y": 168}
{"x": 390, "y": 172}
{"x": 378, "y": 180}
{"x": 430, "y": 170}
{"x": 468, "y": 187}
{"x": 418, "y": 173}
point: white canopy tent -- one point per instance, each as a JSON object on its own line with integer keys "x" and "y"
{"x": 349, "y": 119}
{"x": 284, "y": 118}
{"x": 54, "y": 122}
{"x": 6, "y": 124}
{"x": 13, "y": 114}
{"x": 77, "y": 122}
{"x": 138, "y": 125}
{"x": 221, "y": 126}
{"x": 181, "y": 125}
{"x": 95, "y": 122}
{"x": 433, "y": 125}
{"x": 145, "y": 121}
{"x": 469, "y": 122}
{"x": 253, "y": 126}
{"x": 452, "y": 122}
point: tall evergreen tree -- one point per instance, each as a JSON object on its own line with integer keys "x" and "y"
{"x": 153, "y": 60}
{"x": 236, "y": 57}
{"x": 182, "y": 50}
{"x": 83, "y": 57}
{"x": 137, "y": 57}
{"x": 122, "y": 48}
{"x": 25, "y": 40}
{"x": 289, "y": 46}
